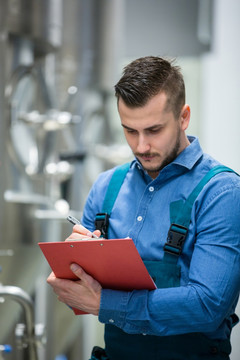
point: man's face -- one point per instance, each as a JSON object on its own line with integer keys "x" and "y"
{"x": 155, "y": 136}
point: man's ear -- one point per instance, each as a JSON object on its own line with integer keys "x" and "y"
{"x": 185, "y": 117}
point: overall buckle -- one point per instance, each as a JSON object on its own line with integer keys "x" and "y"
{"x": 175, "y": 240}
{"x": 101, "y": 223}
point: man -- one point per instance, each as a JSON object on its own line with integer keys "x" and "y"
{"x": 191, "y": 313}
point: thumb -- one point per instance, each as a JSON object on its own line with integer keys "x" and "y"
{"x": 86, "y": 279}
{"x": 76, "y": 269}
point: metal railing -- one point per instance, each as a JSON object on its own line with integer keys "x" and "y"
{"x": 28, "y": 335}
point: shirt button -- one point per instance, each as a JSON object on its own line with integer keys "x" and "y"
{"x": 139, "y": 218}
{"x": 151, "y": 188}
{"x": 111, "y": 321}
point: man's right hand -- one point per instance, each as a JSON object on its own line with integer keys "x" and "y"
{"x": 81, "y": 233}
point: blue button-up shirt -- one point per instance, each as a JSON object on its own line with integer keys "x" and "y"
{"x": 210, "y": 262}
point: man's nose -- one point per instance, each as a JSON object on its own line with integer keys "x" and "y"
{"x": 143, "y": 144}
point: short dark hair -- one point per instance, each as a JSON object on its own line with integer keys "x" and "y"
{"x": 147, "y": 76}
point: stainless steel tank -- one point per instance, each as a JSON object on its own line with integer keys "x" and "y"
{"x": 58, "y": 60}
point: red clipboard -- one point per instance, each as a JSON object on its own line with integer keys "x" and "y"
{"x": 114, "y": 263}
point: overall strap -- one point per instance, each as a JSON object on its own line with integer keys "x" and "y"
{"x": 102, "y": 219}
{"x": 180, "y": 216}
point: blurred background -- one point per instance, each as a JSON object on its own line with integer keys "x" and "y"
{"x": 59, "y": 128}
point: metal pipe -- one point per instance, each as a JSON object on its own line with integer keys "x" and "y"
{"x": 17, "y": 294}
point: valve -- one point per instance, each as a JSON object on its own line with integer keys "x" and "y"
{"x": 5, "y": 349}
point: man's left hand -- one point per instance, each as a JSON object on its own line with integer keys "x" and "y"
{"x": 83, "y": 294}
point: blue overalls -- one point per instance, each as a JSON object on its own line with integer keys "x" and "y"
{"x": 165, "y": 273}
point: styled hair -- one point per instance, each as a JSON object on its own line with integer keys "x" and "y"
{"x": 146, "y": 77}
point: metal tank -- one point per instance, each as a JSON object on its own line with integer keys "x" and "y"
{"x": 58, "y": 63}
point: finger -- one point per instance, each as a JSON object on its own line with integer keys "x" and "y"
{"x": 76, "y": 236}
{"x": 77, "y": 270}
{"x": 51, "y": 277}
{"x": 59, "y": 286}
{"x": 81, "y": 230}
{"x": 97, "y": 232}
{"x": 84, "y": 277}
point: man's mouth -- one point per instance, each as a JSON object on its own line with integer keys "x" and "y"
{"x": 146, "y": 157}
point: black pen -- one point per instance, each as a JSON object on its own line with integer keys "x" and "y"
{"x": 75, "y": 221}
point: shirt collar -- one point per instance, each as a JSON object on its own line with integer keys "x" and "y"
{"x": 190, "y": 155}
{"x": 187, "y": 158}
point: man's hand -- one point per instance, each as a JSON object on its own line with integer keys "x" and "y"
{"x": 83, "y": 294}
{"x": 81, "y": 233}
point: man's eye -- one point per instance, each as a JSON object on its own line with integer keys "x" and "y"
{"x": 154, "y": 131}
{"x": 130, "y": 131}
